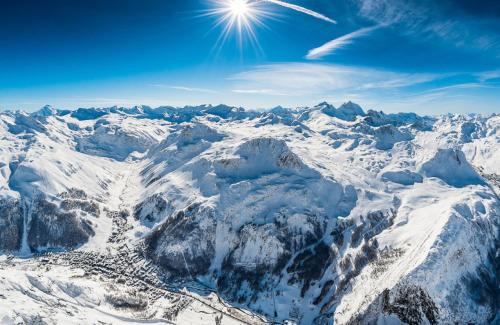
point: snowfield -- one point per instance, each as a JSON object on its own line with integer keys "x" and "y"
{"x": 217, "y": 215}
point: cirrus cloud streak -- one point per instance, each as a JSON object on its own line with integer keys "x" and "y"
{"x": 310, "y": 78}
{"x": 338, "y": 43}
{"x": 302, "y": 10}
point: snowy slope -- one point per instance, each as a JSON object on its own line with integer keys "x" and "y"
{"x": 306, "y": 215}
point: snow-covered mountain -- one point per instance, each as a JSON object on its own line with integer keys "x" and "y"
{"x": 216, "y": 214}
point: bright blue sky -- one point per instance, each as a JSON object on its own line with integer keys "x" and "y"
{"x": 426, "y": 56}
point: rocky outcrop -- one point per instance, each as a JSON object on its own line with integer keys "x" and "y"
{"x": 62, "y": 224}
{"x": 53, "y": 228}
{"x": 184, "y": 244}
{"x": 11, "y": 225}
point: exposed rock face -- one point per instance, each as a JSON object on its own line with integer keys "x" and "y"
{"x": 185, "y": 243}
{"x": 152, "y": 210}
{"x": 11, "y": 225}
{"x": 407, "y": 303}
{"x": 65, "y": 222}
{"x": 411, "y": 304}
{"x": 49, "y": 227}
{"x": 310, "y": 265}
{"x": 261, "y": 252}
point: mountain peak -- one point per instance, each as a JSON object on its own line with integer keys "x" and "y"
{"x": 348, "y": 111}
{"x": 45, "y": 111}
{"x": 352, "y": 107}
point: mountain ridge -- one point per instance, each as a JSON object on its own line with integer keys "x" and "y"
{"x": 307, "y": 215}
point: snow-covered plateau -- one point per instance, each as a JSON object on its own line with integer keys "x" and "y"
{"x": 218, "y": 215}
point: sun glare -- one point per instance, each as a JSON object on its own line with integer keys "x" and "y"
{"x": 239, "y": 8}
{"x": 239, "y": 17}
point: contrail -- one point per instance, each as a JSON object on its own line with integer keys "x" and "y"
{"x": 301, "y": 9}
{"x": 338, "y": 43}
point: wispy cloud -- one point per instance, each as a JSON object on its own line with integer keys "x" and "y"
{"x": 489, "y": 75}
{"x": 302, "y": 10}
{"x": 338, "y": 43}
{"x": 462, "y": 86}
{"x": 431, "y": 19}
{"x": 271, "y": 92}
{"x": 183, "y": 88}
{"x": 315, "y": 78}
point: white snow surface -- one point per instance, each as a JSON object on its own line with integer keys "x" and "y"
{"x": 252, "y": 175}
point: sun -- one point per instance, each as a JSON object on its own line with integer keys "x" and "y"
{"x": 242, "y": 14}
{"x": 238, "y": 17}
{"x": 239, "y": 8}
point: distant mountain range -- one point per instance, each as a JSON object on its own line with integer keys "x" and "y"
{"x": 311, "y": 215}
